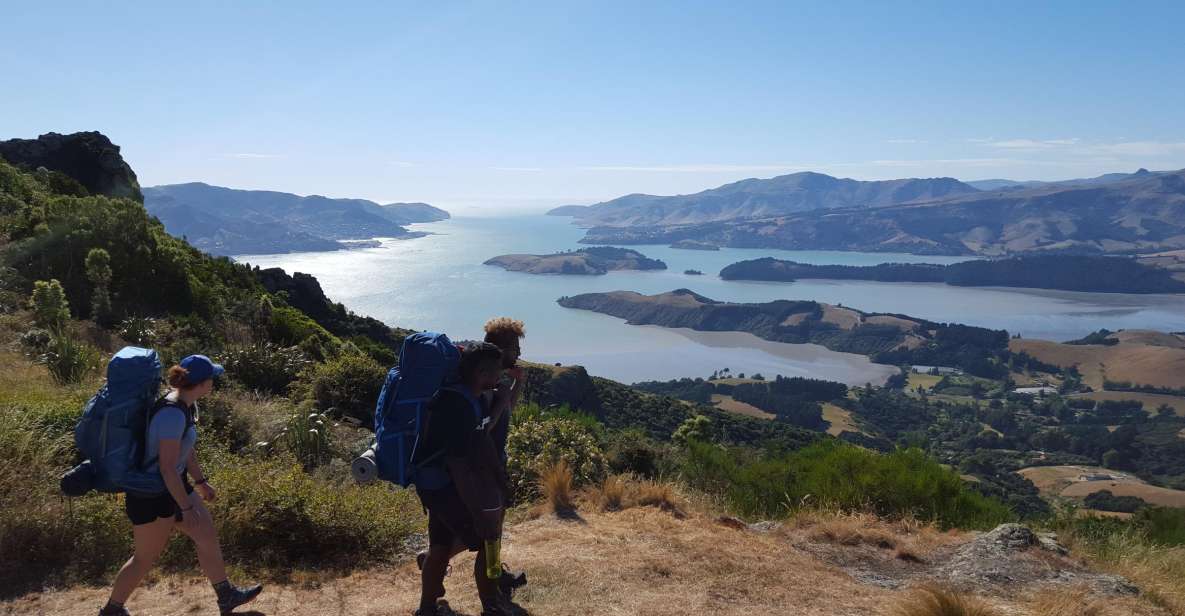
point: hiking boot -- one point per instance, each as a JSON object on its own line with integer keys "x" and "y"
{"x": 230, "y": 596}
{"x": 110, "y": 610}
{"x": 511, "y": 581}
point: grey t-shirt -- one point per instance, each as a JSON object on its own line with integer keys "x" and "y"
{"x": 170, "y": 423}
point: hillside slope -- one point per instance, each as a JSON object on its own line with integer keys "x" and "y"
{"x": 647, "y": 561}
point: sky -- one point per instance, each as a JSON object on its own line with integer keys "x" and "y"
{"x": 491, "y": 107}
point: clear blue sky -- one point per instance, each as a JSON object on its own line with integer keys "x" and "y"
{"x": 495, "y": 105}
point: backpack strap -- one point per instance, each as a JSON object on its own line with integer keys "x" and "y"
{"x": 156, "y": 407}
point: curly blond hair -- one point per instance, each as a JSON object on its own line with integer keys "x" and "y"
{"x": 502, "y": 330}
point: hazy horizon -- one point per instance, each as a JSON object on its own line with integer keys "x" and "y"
{"x": 481, "y": 107}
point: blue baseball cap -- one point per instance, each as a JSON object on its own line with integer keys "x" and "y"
{"x": 198, "y": 368}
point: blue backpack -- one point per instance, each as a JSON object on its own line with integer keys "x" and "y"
{"x": 110, "y": 433}
{"x": 427, "y": 363}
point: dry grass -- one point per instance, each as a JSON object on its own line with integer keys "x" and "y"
{"x": 1136, "y": 363}
{"x": 839, "y": 420}
{"x": 732, "y": 405}
{"x": 1157, "y": 571}
{"x": 555, "y": 483}
{"x": 658, "y": 494}
{"x": 1069, "y": 602}
{"x": 937, "y": 601}
{"x": 611, "y": 493}
{"x": 621, "y": 492}
{"x": 910, "y": 539}
{"x": 852, "y": 530}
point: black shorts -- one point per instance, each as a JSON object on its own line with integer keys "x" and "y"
{"x": 148, "y": 509}
{"x": 449, "y": 520}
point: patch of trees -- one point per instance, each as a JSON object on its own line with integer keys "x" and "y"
{"x": 794, "y": 400}
{"x": 1104, "y": 500}
{"x": 692, "y": 390}
{"x": 1100, "y": 337}
{"x": 1147, "y": 389}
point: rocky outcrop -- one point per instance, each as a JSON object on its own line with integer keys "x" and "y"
{"x": 1012, "y": 555}
{"x": 89, "y": 158}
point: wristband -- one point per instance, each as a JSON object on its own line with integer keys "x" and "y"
{"x": 201, "y": 482}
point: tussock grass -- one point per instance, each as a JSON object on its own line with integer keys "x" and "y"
{"x": 555, "y": 483}
{"x": 938, "y": 601}
{"x": 611, "y": 494}
{"x": 659, "y": 494}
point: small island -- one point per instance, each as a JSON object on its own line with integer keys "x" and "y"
{"x": 592, "y": 261}
{"x": 693, "y": 272}
{"x": 1096, "y": 274}
{"x": 694, "y": 245}
{"x": 893, "y": 339}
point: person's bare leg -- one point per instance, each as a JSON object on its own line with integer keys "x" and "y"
{"x": 432, "y": 576}
{"x": 487, "y": 589}
{"x": 150, "y": 540}
{"x": 205, "y": 542}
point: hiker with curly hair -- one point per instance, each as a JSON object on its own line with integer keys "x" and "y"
{"x": 506, "y": 333}
{"x": 466, "y": 512}
{"x": 169, "y": 443}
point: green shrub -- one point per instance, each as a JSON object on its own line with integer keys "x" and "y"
{"x": 98, "y": 271}
{"x": 50, "y": 309}
{"x": 631, "y": 451}
{"x": 265, "y": 367}
{"x": 348, "y": 384}
{"x": 535, "y": 444}
{"x": 272, "y": 514}
{"x": 289, "y": 326}
{"x": 308, "y": 437}
{"x": 835, "y": 475}
{"x": 1161, "y": 525}
{"x": 221, "y": 424}
{"x": 69, "y": 360}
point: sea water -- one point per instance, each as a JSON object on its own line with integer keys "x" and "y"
{"x": 438, "y": 282}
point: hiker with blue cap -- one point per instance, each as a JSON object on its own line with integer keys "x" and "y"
{"x": 169, "y": 445}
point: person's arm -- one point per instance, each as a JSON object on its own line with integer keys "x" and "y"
{"x": 169, "y": 452}
{"x": 194, "y": 468}
{"x": 504, "y": 400}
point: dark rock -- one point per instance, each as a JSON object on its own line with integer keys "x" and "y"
{"x": 89, "y": 158}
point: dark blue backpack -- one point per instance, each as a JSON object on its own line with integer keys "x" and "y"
{"x": 427, "y": 362}
{"x": 110, "y": 433}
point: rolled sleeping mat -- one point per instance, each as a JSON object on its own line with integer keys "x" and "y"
{"x": 364, "y": 468}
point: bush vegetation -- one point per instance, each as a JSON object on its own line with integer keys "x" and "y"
{"x": 348, "y": 385}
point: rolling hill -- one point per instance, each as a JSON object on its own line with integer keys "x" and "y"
{"x": 1143, "y": 214}
{"x": 786, "y": 194}
{"x": 227, "y": 221}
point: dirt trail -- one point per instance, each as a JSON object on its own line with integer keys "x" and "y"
{"x": 640, "y": 561}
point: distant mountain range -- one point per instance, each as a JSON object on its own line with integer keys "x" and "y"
{"x": 227, "y": 221}
{"x": 1113, "y": 213}
{"x": 1106, "y": 178}
{"x": 786, "y": 194}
